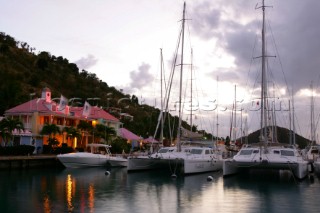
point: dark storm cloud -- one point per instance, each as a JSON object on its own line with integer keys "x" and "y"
{"x": 293, "y": 36}
{"x": 298, "y": 33}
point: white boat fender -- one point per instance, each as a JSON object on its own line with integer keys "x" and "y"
{"x": 174, "y": 176}
{"x": 107, "y": 173}
{"x": 209, "y": 178}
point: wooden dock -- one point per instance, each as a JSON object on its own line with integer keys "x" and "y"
{"x": 26, "y": 162}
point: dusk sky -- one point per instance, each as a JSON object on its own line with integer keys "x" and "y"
{"x": 120, "y": 42}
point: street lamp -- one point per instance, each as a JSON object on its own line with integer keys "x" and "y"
{"x": 94, "y": 123}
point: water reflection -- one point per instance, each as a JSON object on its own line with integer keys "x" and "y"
{"x": 69, "y": 193}
{"x": 91, "y": 190}
{"x": 80, "y": 188}
{"x": 46, "y": 204}
{"x": 163, "y": 193}
{"x": 278, "y": 192}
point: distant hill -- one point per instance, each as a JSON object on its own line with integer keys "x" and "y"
{"x": 283, "y": 136}
{"x": 23, "y": 72}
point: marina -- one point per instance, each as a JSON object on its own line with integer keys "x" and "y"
{"x": 63, "y": 150}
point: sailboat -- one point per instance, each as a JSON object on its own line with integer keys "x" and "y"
{"x": 266, "y": 155}
{"x": 179, "y": 159}
{"x": 312, "y": 151}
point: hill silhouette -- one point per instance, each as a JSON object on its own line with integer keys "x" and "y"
{"x": 25, "y": 73}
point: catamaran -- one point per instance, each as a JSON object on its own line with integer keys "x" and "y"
{"x": 267, "y": 154}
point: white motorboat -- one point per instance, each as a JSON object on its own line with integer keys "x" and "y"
{"x": 96, "y": 155}
{"x": 267, "y": 154}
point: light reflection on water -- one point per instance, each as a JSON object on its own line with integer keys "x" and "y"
{"x": 90, "y": 190}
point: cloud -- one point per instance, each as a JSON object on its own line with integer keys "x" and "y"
{"x": 291, "y": 37}
{"x": 234, "y": 28}
{"x": 141, "y": 78}
{"x": 207, "y": 23}
{"x": 85, "y": 63}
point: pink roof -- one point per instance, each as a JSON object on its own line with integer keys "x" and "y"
{"x": 37, "y": 104}
{"x": 150, "y": 139}
{"x": 123, "y": 132}
{"x": 97, "y": 112}
{"x": 44, "y": 107}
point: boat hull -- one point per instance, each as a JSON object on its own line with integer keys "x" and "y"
{"x": 117, "y": 162}
{"x": 229, "y": 167}
{"x": 201, "y": 165}
{"x": 298, "y": 169}
{"x": 316, "y": 166}
{"x": 181, "y": 166}
{"x": 146, "y": 163}
{"x": 77, "y": 160}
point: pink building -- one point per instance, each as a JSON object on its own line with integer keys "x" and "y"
{"x": 40, "y": 111}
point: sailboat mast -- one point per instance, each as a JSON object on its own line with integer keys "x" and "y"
{"x": 263, "y": 119}
{"x": 290, "y": 124}
{"x": 217, "y": 134}
{"x": 235, "y": 115}
{"x": 312, "y": 134}
{"x": 191, "y": 90}
{"x": 181, "y": 72}
{"x": 161, "y": 82}
{"x": 293, "y": 124}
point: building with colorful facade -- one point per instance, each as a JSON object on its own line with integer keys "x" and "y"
{"x": 38, "y": 112}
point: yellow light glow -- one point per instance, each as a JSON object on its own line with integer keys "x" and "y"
{"x": 91, "y": 197}
{"x": 75, "y": 143}
{"x": 69, "y": 193}
{"x": 94, "y": 123}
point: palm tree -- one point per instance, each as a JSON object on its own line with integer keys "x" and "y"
{"x": 51, "y": 130}
{"x": 84, "y": 127}
{"x": 71, "y": 132}
{"x": 105, "y": 132}
{"x": 7, "y": 126}
{"x": 110, "y": 131}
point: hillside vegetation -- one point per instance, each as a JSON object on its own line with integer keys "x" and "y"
{"x": 24, "y": 72}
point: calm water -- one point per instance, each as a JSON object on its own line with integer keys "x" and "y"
{"x": 90, "y": 190}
